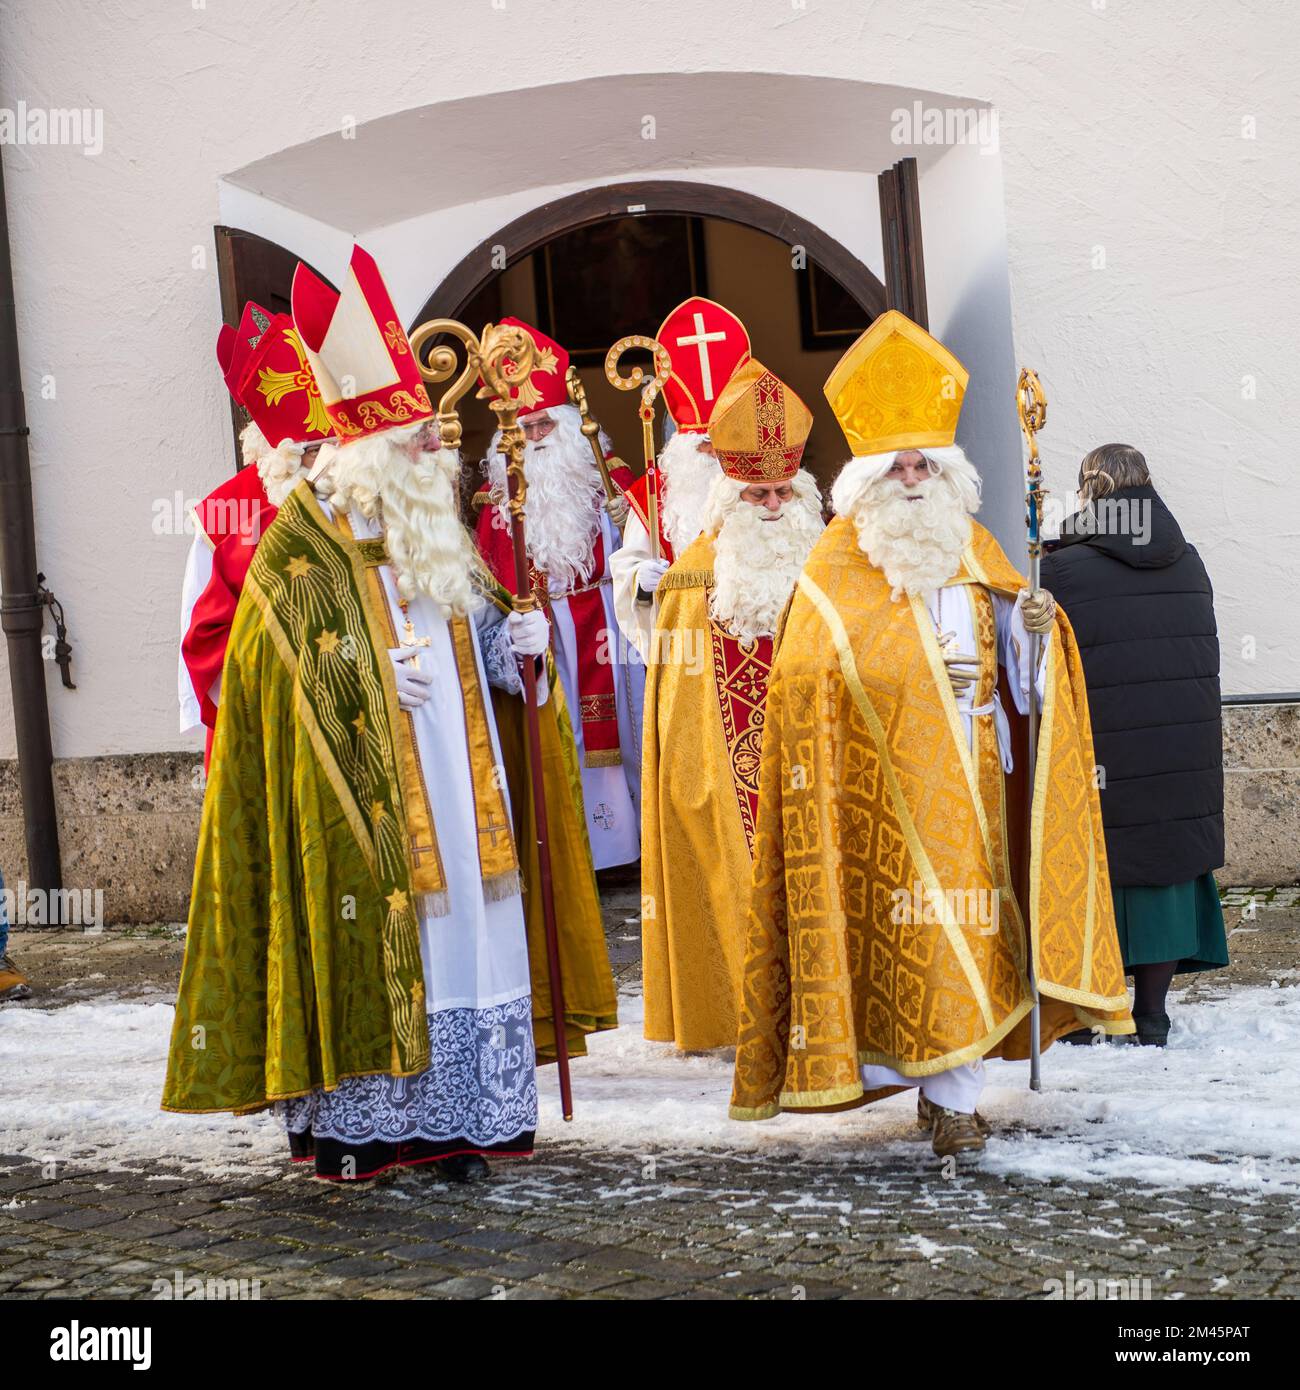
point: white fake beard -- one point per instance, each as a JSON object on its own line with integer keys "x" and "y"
{"x": 565, "y": 493}
{"x": 757, "y": 562}
{"x": 280, "y": 470}
{"x": 686, "y": 477}
{"x": 415, "y": 500}
{"x": 918, "y": 544}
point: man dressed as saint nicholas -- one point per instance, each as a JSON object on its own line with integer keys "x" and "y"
{"x": 573, "y": 531}
{"x": 706, "y": 344}
{"x": 358, "y": 949}
{"x": 711, "y": 655}
{"x": 266, "y": 371}
{"x": 891, "y": 929}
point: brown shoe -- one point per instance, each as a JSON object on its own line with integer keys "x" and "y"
{"x": 955, "y": 1132}
{"x": 13, "y": 983}
{"x": 925, "y": 1113}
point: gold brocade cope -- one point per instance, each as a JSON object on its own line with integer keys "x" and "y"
{"x": 884, "y": 925}
{"x": 302, "y": 960}
{"x": 498, "y": 864}
{"x": 699, "y": 766}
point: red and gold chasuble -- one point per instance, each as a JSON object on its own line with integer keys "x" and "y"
{"x": 704, "y": 716}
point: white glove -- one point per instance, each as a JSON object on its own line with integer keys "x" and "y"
{"x": 618, "y": 508}
{"x": 529, "y": 632}
{"x": 413, "y": 686}
{"x": 649, "y": 573}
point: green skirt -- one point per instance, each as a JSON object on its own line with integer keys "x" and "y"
{"x": 1182, "y": 922}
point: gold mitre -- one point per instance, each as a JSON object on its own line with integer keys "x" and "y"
{"x": 897, "y": 388}
{"x": 759, "y": 426}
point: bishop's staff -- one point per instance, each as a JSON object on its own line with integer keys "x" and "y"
{"x": 503, "y": 357}
{"x": 591, "y": 429}
{"x": 662, "y": 371}
{"x": 1031, "y": 405}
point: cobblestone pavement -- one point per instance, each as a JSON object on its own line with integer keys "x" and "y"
{"x": 574, "y": 1222}
{"x": 578, "y": 1224}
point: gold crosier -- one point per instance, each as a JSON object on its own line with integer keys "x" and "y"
{"x": 502, "y": 357}
{"x": 591, "y": 430}
{"x": 663, "y": 368}
{"x": 1031, "y": 406}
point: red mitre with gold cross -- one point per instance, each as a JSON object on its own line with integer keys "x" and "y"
{"x": 546, "y": 386}
{"x": 707, "y": 344}
{"x": 358, "y": 351}
{"x": 279, "y": 389}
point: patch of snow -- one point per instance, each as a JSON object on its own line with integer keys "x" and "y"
{"x": 1216, "y": 1107}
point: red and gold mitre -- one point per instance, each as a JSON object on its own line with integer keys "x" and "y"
{"x": 358, "y": 351}
{"x": 897, "y": 388}
{"x": 279, "y": 390}
{"x": 759, "y": 426}
{"x": 235, "y": 345}
{"x": 546, "y": 386}
{"x": 706, "y": 343}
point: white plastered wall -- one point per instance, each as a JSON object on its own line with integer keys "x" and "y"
{"x": 1150, "y": 245}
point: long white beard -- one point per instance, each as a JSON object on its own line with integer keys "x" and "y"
{"x": 918, "y": 544}
{"x": 430, "y": 550}
{"x": 280, "y": 470}
{"x": 565, "y": 493}
{"x": 686, "y": 475}
{"x": 756, "y": 562}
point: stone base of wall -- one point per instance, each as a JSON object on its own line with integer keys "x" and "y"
{"x": 128, "y": 823}
{"x": 1261, "y": 794}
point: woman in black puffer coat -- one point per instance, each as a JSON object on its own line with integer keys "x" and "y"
{"x": 1142, "y": 609}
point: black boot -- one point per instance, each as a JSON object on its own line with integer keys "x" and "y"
{"x": 1152, "y": 1029}
{"x": 463, "y": 1167}
{"x": 1081, "y": 1037}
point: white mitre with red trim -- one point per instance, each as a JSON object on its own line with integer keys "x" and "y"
{"x": 358, "y": 351}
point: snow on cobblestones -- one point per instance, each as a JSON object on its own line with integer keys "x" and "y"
{"x": 1217, "y": 1107}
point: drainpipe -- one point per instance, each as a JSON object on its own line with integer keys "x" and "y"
{"x": 23, "y": 602}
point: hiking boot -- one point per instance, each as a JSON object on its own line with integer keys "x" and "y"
{"x": 925, "y": 1113}
{"x": 955, "y": 1132}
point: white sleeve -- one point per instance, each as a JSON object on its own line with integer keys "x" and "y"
{"x": 198, "y": 570}
{"x": 637, "y": 620}
{"x": 1013, "y": 640}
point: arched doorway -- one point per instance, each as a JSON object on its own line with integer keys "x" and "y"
{"x": 803, "y": 295}
{"x": 527, "y": 233}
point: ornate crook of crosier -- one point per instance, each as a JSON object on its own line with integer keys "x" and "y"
{"x": 662, "y": 369}
{"x": 440, "y": 364}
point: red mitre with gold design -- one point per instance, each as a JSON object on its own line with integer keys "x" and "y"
{"x": 759, "y": 426}
{"x": 279, "y": 389}
{"x": 546, "y": 386}
{"x": 707, "y": 344}
{"x": 358, "y": 351}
